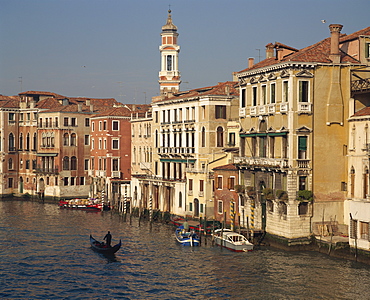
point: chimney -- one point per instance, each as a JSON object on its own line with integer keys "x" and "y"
{"x": 79, "y": 107}
{"x": 334, "y": 42}
{"x": 269, "y": 50}
{"x": 87, "y": 102}
{"x": 227, "y": 90}
{"x": 250, "y": 62}
{"x": 91, "y": 108}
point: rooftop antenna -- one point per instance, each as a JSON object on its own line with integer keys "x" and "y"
{"x": 259, "y": 54}
{"x": 20, "y": 80}
{"x": 145, "y": 96}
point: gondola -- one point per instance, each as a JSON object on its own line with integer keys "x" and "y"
{"x": 102, "y": 248}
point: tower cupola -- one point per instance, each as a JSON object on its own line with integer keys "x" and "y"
{"x": 169, "y": 75}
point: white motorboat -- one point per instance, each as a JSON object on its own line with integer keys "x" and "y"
{"x": 232, "y": 240}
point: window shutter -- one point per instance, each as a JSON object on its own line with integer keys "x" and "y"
{"x": 302, "y": 143}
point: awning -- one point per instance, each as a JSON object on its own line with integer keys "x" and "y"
{"x": 47, "y": 154}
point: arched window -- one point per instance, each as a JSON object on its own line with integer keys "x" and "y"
{"x": 66, "y": 139}
{"x": 365, "y": 183}
{"x": 10, "y": 164}
{"x": 203, "y": 141}
{"x": 11, "y": 142}
{"x": 65, "y": 163}
{"x": 21, "y": 141}
{"x": 352, "y": 182}
{"x": 35, "y": 141}
{"x": 73, "y": 163}
{"x": 73, "y": 139}
{"x": 220, "y": 137}
{"x": 28, "y": 142}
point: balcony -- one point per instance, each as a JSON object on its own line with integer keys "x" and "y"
{"x": 101, "y": 173}
{"x": 284, "y": 107}
{"x": 45, "y": 170}
{"x": 262, "y": 109}
{"x": 253, "y": 111}
{"x": 116, "y": 174}
{"x": 262, "y": 162}
{"x": 303, "y": 163}
{"x": 271, "y": 108}
{"x": 242, "y": 112}
{"x": 201, "y": 194}
{"x": 304, "y": 108}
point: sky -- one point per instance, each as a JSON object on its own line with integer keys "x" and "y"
{"x": 110, "y": 48}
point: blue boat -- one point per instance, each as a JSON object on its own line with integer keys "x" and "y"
{"x": 187, "y": 238}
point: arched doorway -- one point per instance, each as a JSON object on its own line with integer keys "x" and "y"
{"x": 196, "y": 207}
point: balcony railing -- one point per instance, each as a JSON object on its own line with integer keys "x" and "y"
{"x": 45, "y": 170}
{"x": 145, "y": 165}
{"x": 304, "y": 107}
{"x": 116, "y": 174}
{"x": 284, "y": 107}
{"x": 262, "y": 161}
{"x": 303, "y": 163}
{"x": 176, "y": 150}
{"x": 242, "y": 112}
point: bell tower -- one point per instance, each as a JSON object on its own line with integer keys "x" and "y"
{"x": 169, "y": 76}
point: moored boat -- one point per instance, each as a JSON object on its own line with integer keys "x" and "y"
{"x": 232, "y": 240}
{"x": 194, "y": 225}
{"x": 186, "y": 238}
{"x": 84, "y": 204}
{"x": 103, "y": 248}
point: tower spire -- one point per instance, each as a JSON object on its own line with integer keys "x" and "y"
{"x": 169, "y": 76}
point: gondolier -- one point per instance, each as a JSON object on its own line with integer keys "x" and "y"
{"x": 108, "y": 239}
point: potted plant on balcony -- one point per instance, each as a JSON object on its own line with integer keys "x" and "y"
{"x": 281, "y": 195}
{"x": 251, "y": 192}
{"x": 305, "y": 196}
{"x": 268, "y": 193}
{"x": 240, "y": 189}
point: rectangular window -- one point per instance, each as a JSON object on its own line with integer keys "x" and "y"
{"x": 65, "y": 121}
{"x": 263, "y": 95}
{"x": 27, "y": 164}
{"x": 220, "y": 207}
{"x": 231, "y": 183}
{"x": 56, "y": 122}
{"x": 272, "y": 93}
{"x": 86, "y": 164}
{"x": 72, "y": 181}
{"x": 73, "y": 122}
{"x": 10, "y": 182}
{"x": 231, "y": 138}
{"x": 87, "y": 122}
{"x": 115, "y": 125}
{"x": 302, "y": 147}
{"x": 105, "y": 125}
{"x": 65, "y": 181}
{"x": 201, "y": 185}
{"x": 242, "y": 103}
{"x": 156, "y": 117}
{"x": 254, "y": 96}
{"x": 115, "y": 144}
{"x": 220, "y": 111}
{"x": 367, "y": 50}
{"x": 303, "y": 91}
{"x": 364, "y": 230}
{"x": 219, "y": 182}
{"x": 82, "y": 180}
{"x": 100, "y": 125}
{"x": 190, "y": 184}
{"x": 285, "y": 91}
{"x": 87, "y": 139}
{"x": 11, "y": 116}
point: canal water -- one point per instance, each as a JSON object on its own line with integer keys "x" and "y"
{"x": 45, "y": 254}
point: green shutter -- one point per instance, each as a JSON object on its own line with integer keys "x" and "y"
{"x": 302, "y": 143}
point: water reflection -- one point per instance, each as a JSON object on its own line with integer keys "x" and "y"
{"x": 45, "y": 253}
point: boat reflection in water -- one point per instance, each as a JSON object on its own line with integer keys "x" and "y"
{"x": 91, "y": 204}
